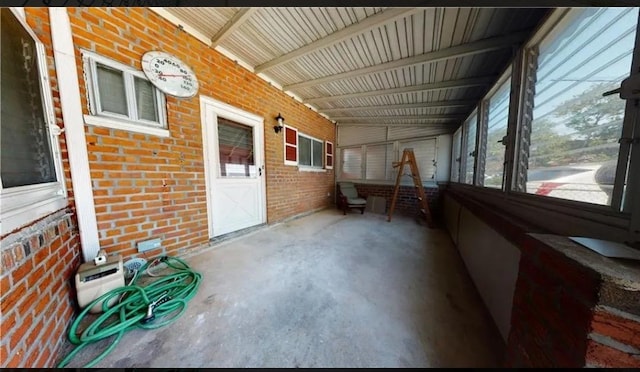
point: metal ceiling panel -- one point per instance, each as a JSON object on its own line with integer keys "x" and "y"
{"x": 207, "y": 21}
{"x": 299, "y": 44}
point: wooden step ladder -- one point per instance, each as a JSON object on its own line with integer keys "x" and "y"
{"x": 408, "y": 157}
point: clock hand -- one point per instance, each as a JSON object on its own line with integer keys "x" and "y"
{"x": 161, "y": 74}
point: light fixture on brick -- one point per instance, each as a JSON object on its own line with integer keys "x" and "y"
{"x": 280, "y": 125}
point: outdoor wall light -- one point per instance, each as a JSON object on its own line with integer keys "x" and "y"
{"x": 280, "y": 125}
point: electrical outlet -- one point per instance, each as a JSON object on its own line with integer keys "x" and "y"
{"x": 148, "y": 245}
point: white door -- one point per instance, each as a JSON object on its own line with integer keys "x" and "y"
{"x": 234, "y": 167}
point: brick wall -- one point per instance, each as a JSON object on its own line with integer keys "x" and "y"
{"x": 38, "y": 298}
{"x": 567, "y": 314}
{"x": 406, "y": 201}
{"x": 552, "y": 310}
{"x": 614, "y": 340}
{"x": 151, "y": 187}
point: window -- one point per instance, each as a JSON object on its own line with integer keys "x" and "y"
{"x": 497, "y": 119}
{"x": 31, "y": 173}
{"x": 378, "y": 162}
{"x": 425, "y": 153}
{"x": 374, "y": 162}
{"x": 305, "y": 151}
{"x": 470, "y": 130}
{"x": 352, "y": 163}
{"x": 121, "y": 97}
{"x": 235, "y": 146}
{"x": 575, "y": 130}
{"x": 310, "y": 151}
{"x": 455, "y": 155}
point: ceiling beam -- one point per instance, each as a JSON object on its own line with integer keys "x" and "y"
{"x": 399, "y": 106}
{"x": 462, "y": 83}
{"x": 348, "y": 32}
{"x": 398, "y": 117}
{"x": 476, "y": 47}
{"x": 232, "y": 24}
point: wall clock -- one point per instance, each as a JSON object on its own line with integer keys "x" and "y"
{"x": 169, "y": 74}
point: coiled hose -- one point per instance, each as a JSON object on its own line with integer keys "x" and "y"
{"x": 138, "y": 307}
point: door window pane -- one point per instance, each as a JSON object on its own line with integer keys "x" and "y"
{"x": 113, "y": 97}
{"x": 235, "y": 145}
{"x": 496, "y": 129}
{"x": 575, "y": 130}
{"x": 352, "y": 163}
{"x": 26, "y": 151}
{"x": 470, "y": 139}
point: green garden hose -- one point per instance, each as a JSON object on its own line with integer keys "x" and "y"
{"x": 139, "y": 307}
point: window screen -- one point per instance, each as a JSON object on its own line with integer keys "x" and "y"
{"x": 317, "y": 153}
{"x": 575, "y": 130}
{"x": 425, "y": 153}
{"x": 470, "y": 140}
{"x": 113, "y": 97}
{"x": 496, "y": 129}
{"x": 378, "y": 162}
{"x": 455, "y": 156}
{"x": 26, "y": 151}
{"x": 146, "y": 100}
{"x": 352, "y": 163}
{"x": 304, "y": 150}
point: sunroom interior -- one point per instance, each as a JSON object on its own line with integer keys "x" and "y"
{"x": 524, "y": 124}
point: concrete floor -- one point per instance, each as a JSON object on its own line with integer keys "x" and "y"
{"x": 325, "y": 290}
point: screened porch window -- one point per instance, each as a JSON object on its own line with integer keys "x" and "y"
{"x": 30, "y": 174}
{"x": 575, "y": 129}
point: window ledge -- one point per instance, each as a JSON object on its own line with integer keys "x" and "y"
{"x": 101, "y": 121}
{"x": 24, "y": 215}
{"x": 311, "y": 169}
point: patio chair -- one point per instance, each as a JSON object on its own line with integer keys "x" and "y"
{"x": 348, "y": 197}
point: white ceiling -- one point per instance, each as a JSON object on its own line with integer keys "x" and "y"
{"x": 373, "y": 66}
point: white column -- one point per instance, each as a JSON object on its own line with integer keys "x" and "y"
{"x": 66, "y": 71}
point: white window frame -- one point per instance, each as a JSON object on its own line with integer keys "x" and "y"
{"x": 284, "y": 140}
{"x": 327, "y": 155}
{"x": 130, "y": 122}
{"x": 311, "y": 167}
{"x": 24, "y": 204}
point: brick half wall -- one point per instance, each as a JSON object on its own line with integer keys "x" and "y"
{"x": 38, "y": 298}
{"x": 407, "y": 202}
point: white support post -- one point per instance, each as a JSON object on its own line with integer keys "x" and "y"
{"x": 66, "y": 71}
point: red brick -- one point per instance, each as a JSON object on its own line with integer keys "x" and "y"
{"x": 20, "y": 332}
{"x": 8, "y": 323}
{"x": 584, "y": 282}
{"x": 626, "y": 331}
{"x": 600, "y": 355}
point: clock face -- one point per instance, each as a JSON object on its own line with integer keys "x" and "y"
{"x": 169, "y": 74}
